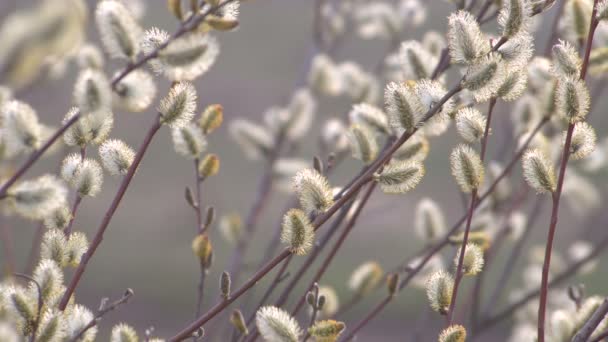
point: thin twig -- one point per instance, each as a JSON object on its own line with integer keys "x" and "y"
{"x": 596, "y": 318}
{"x": 368, "y": 318}
{"x": 315, "y": 310}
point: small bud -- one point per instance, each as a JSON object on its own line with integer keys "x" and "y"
{"x": 297, "y": 232}
{"x": 473, "y": 260}
{"x": 254, "y": 140}
{"x": 313, "y": 191}
{"x": 231, "y": 227}
{"x": 539, "y": 172}
{"x": 209, "y": 166}
{"x": 59, "y": 218}
{"x": 116, "y": 156}
{"x": 221, "y": 24}
{"x": 38, "y": 198}
{"x": 135, "y": 92}
{"x": 202, "y": 248}
{"x": 363, "y": 143}
{"x": 453, "y": 333}
{"x": 392, "y": 283}
{"x": 583, "y": 140}
{"x": 480, "y": 238}
{"x": 120, "y": 33}
{"x": 400, "y": 176}
{"x": 514, "y": 17}
{"x": 225, "y": 283}
{"x": 566, "y": 61}
{"x": 190, "y": 198}
{"x": 92, "y": 92}
{"x": 175, "y": 7}
{"x": 370, "y": 116}
{"x": 467, "y": 168}
{"x": 326, "y": 331}
{"x": 365, "y": 278}
{"x": 275, "y": 324}
{"x": 310, "y": 298}
{"x": 188, "y": 141}
{"x": 470, "y": 124}
{"x": 211, "y": 118}
{"x": 75, "y": 248}
{"x": 465, "y": 40}
{"x": 317, "y": 164}
{"x": 321, "y": 302}
{"x": 429, "y": 221}
{"x": 238, "y": 321}
{"x": 177, "y": 108}
{"x": 123, "y": 333}
{"x": 402, "y": 107}
{"x": 572, "y": 99}
{"x": 210, "y": 217}
{"x": 439, "y": 289}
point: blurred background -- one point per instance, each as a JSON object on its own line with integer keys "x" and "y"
{"x": 147, "y": 246}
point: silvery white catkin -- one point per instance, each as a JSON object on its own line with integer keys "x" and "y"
{"x": 484, "y": 78}
{"x": 301, "y": 109}
{"x": 371, "y": 116}
{"x": 78, "y": 318}
{"x": 365, "y": 278}
{"x": 453, "y": 333}
{"x": 583, "y": 140}
{"x": 416, "y": 148}
{"x": 123, "y": 332}
{"x": 465, "y": 40}
{"x": 92, "y": 93}
{"x": 416, "y": 61}
{"x": 177, "y": 108}
{"x": 514, "y": 17}
{"x": 377, "y": 20}
{"x": 189, "y": 140}
{"x": 135, "y": 92}
{"x": 116, "y": 156}
{"x": 363, "y": 143}
{"x": 467, "y": 168}
{"x": 92, "y": 128}
{"x": 566, "y": 61}
{"x": 429, "y": 94}
{"x": 513, "y": 86}
{"x": 326, "y": 330}
{"x": 254, "y": 140}
{"x": 36, "y": 199}
{"x": 538, "y": 171}
{"x": 21, "y": 131}
{"x": 297, "y": 232}
{"x": 120, "y": 32}
{"x": 470, "y": 124}
{"x": 572, "y": 99}
{"x": 429, "y": 221}
{"x": 324, "y": 76}
{"x": 439, "y": 288}
{"x": 313, "y": 191}
{"x": 402, "y": 106}
{"x": 275, "y": 324}
{"x": 400, "y": 176}
{"x": 473, "y": 260}
{"x": 518, "y": 51}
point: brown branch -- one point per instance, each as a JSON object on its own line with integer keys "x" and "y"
{"x": 596, "y": 318}
{"x": 109, "y": 214}
{"x": 367, "y": 318}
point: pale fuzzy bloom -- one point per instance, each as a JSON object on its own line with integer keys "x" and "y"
{"x": 38, "y": 198}
{"x": 285, "y": 169}
{"x": 332, "y": 302}
{"x": 538, "y": 171}
{"x": 324, "y": 77}
{"x": 392, "y": 69}
{"x": 439, "y": 288}
{"x": 517, "y": 51}
{"x": 185, "y": 58}
{"x": 413, "y": 12}
{"x": 90, "y": 128}
{"x": 223, "y": 19}
{"x": 211, "y": 118}
{"x": 575, "y": 20}
{"x": 513, "y": 86}
{"x": 363, "y": 143}
{"x": 135, "y": 92}
{"x": 377, "y": 20}
{"x": 90, "y": 57}
{"x": 334, "y": 135}
{"x": 470, "y": 124}
{"x": 116, "y": 156}
{"x": 581, "y": 195}
{"x": 120, "y": 32}
{"x": 416, "y": 148}
{"x": 453, "y": 333}
{"x": 429, "y": 94}
{"x": 50, "y": 278}
{"x": 562, "y": 326}
{"x": 502, "y": 191}
{"x": 365, "y": 278}
{"x": 20, "y": 128}
{"x": 370, "y": 116}
{"x": 465, "y": 40}
{"x": 434, "y": 42}
{"x": 417, "y": 62}
{"x": 467, "y": 168}
{"x": 359, "y": 85}
{"x": 484, "y": 78}
{"x": 313, "y": 190}
{"x": 402, "y": 106}
{"x": 514, "y": 17}
{"x": 302, "y": 108}
{"x": 76, "y": 319}
{"x": 583, "y": 141}
{"x": 297, "y": 232}
{"x": 59, "y": 218}
{"x": 123, "y": 333}
{"x": 526, "y": 114}
{"x": 517, "y": 224}
{"x": 587, "y": 309}
{"x": 539, "y": 73}
{"x": 276, "y": 325}
{"x": 85, "y": 176}
{"x": 51, "y": 327}
{"x": 231, "y": 227}
{"x": 602, "y": 10}
{"x": 75, "y": 248}
{"x": 8, "y": 333}
{"x": 22, "y": 304}
{"x": 429, "y": 221}
{"x": 598, "y": 61}
{"x": 327, "y": 330}
{"x": 572, "y": 99}
{"x": 580, "y": 250}
{"x": 434, "y": 264}
{"x": 178, "y": 107}
{"x": 54, "y": 246}
{"x": 400, "y": 176}
{"x": 473, "y": 261}
{"x": 254, "y": 140}
{"x": 189, "y": 141}
{"x": 566, "y": 61}
{"x": 92, "y": 92}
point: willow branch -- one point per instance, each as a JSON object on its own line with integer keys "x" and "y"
{"x": 596, "y": 318}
